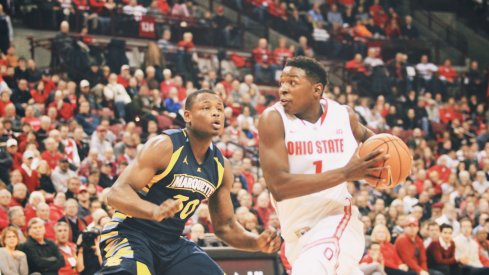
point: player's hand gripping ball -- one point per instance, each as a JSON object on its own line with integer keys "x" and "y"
{"x": 397, "y": 167}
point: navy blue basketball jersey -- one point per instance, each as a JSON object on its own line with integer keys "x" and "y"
{"x": 184, "y": 180}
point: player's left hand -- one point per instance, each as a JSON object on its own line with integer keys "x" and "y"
{"x": 269, "y": 241}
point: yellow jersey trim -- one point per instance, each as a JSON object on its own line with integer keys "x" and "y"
{"x": 220, "y": 172}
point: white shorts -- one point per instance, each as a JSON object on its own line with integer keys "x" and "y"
{"x": 334, "y": 246}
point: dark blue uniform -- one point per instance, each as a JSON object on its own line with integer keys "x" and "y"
{"x": 138, "y": 246}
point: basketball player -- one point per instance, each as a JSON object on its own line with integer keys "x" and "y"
{"x": 308, "y": 153}
{"x": 163, "y": 187}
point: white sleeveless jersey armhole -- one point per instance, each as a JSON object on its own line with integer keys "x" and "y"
{"x": 315, "y": 147}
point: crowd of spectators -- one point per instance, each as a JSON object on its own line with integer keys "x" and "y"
{"x": 65, "y": 140}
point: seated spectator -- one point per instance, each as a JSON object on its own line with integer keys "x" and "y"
{"x": 408, "y": 30}
{"x": 42, "y": 212}
{"x": 467, "y": 249}
{"x": 411, "y": 249}
{"x": 76, "y": 224}
{"x": 282, "y": 53}
{"x": 5, "y": 198}
{"x": 263, "y": 59}
{"x": 426, "y": 72}
{"x": 373, "y": 262}
{"x": 16, "y": 219}
{"x": 43, "y": 255}
{"x": 481, "y": 238}
{"x": 73, "y": 258}
{"x": 12, "y": 261}
{"x": 433, "y": 233}
{"x": 441, "y": 252}
{"x": 392, "y": 263}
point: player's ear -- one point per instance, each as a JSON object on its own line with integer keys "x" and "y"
{"x": 186, "y": 116}
{"x": 318, "y": 89}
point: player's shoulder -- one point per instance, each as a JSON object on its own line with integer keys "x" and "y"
{"x": 270, "y": 114}
{"x": 158, "y": 144}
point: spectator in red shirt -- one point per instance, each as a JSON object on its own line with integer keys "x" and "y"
{"x": 56, "y": 208}
{"x": 39, "y": 93}
{"x": 63, "y": 106}
{"x": 31, "y": 118}
{"x": 441, "y": 252}
{"x": 42, "y": 212}
{"x": 446, "y": 72}
{"x": 51, "y": 155}
{"x": 481, "y": 238}
{"x": 5, "y": 198}
{"x": 124, "y": 76}
{"x": 4, "y": 100}
{"x": 263, "y": 62}
{"x": 12, "y": 149}
{"x": 448, "y": 112}
{"x": 411, "y": 250}
{"x": 442, "y": 169}
{"x": 73, "y": 260}
{"x": 282, "y": 53}
{"x": 30, "y": 176}
{"x": 392, "y": 263}
{"x": 167, "y": 83}
{"x": 263, "y": 208}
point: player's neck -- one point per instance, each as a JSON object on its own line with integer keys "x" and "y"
{"x": 312, "y": 114}
{"x": 199, "y": 145}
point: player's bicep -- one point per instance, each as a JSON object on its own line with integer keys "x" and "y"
{"x": 273, "y": 152}
{"x": 360, "y": 131}
{"x": 153, "y": 156}
{"x": 220, "y": 205}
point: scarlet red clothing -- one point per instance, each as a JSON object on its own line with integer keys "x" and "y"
{"x": 97, "y": 5}
{"x": 49, "y": 225}
{"x": 30, "y": 180}
{"x": 69, "y": 254}
{"x": 163, "y": 6}
{"x": 438, "y": 255}
{"x": 29, "y": 212}
{"x": 250, "y": 179}
{"x": 448, "y": 114}
{"x": 448, "y": 72}
{"x": 165, "y": 87}
{"x": 33, "y": 121}
{"x": 16, "y": 161}
{"x": 367, "y": 259}
{"x": 39, "y": 96}
{"x": 280, "y": 56}
{"x": 81, "y": 4}
{"x": 484, "y": 253}
{"x": 389, "y": 253}
{"x": 48, "y": 86}
{"x": 56, "y": 212}
{"x": 3, "y": 217}
{"x": 51, "y": 158}
{"x": 3, "y": 104}
{"x": 412, "y": 252}
{"x": 355, "y": 66}
{"x": 262, "y": 56}
{"x": 123, "y": 81}
{"x": 263, "y": 214}
{"x": 186, "y": 46}
{"x": 66, "y": 111}
{"x": 182, "y": 93}
{"x": 443, "y": 171}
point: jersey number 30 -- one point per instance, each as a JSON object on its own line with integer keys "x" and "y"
{"x": 186, "y": 207}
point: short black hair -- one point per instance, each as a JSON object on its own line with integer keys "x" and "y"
{"x": 443, "y": 226}
{"x": 314, "y": 70}
{"x": 191, "y": 98}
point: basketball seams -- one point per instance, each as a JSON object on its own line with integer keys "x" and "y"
{"x": 394, "y": 141}
{"x": 384, "y": 140}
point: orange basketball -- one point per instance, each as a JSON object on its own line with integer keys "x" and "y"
{"x": 400, "y": 160}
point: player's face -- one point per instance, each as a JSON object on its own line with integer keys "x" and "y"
{"x": 206, "y": 116}
{"x": 297, "y": 93}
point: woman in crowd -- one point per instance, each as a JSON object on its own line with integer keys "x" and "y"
{"x": 393, "y": 264}
{"x": 12, "y": 261}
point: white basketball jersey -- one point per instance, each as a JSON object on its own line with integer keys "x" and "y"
{"x": 315, "y": 148}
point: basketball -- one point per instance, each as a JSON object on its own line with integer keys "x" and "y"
{"x": 400, "y": 160}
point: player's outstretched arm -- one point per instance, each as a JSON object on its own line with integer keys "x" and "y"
{"x": 275, "y": 164}
{"x": 154, "y": 157}
{"x": 227, "y": 227}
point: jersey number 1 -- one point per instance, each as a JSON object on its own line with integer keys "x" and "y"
{"x": 319, "y": 166}
{"x": 185, "y": 207}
